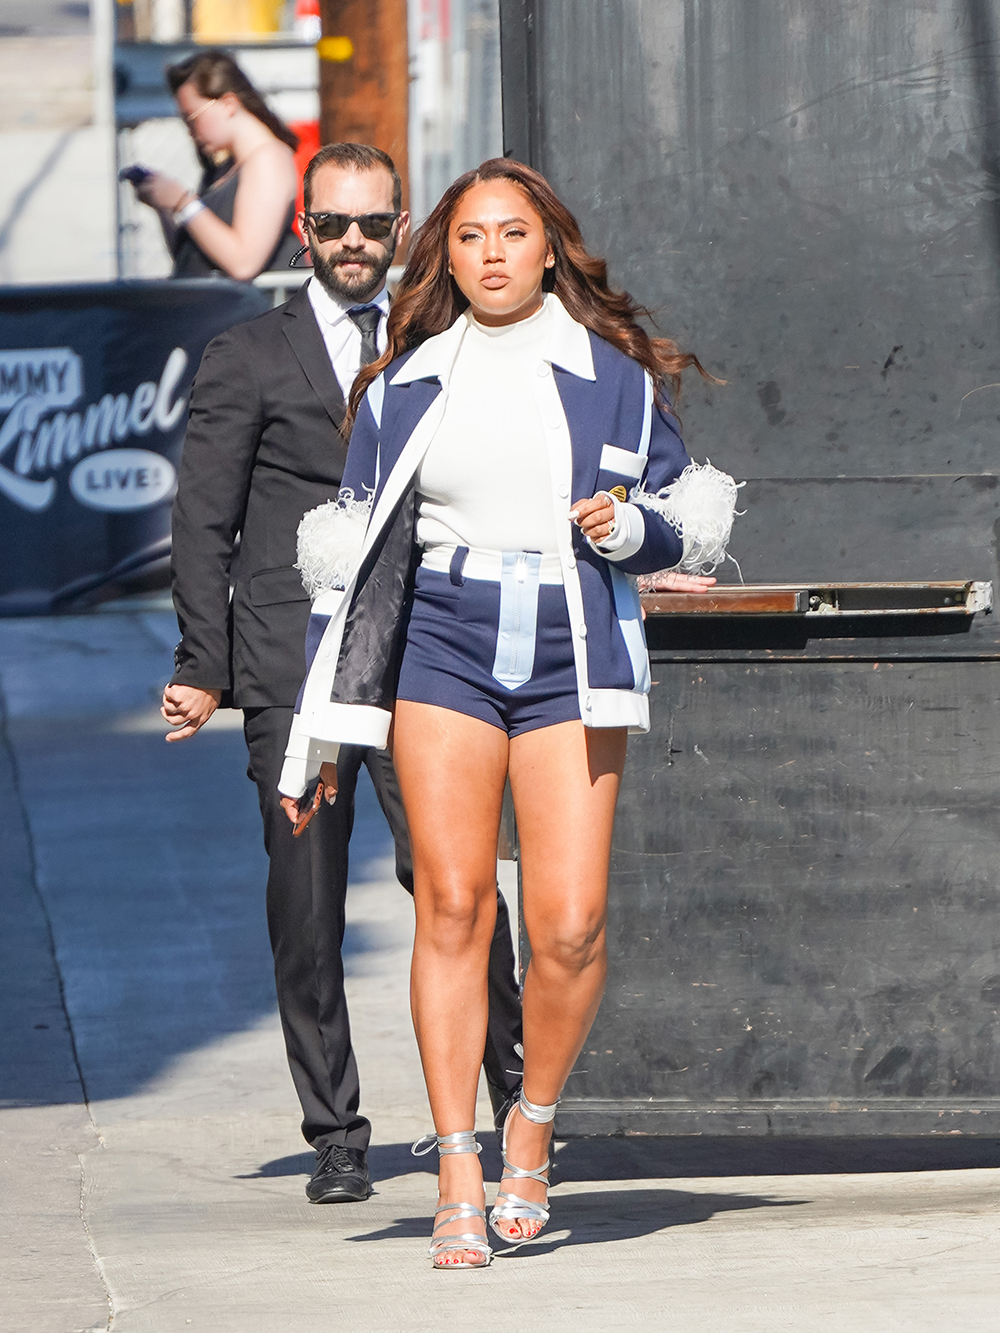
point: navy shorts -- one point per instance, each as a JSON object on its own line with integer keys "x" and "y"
{"x": 518, "y": 675}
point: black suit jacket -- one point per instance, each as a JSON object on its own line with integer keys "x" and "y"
{"x": 263, "y": 445}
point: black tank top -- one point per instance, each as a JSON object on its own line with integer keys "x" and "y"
{"x": 191, "y": 262}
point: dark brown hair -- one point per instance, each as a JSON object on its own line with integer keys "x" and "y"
{"x": 213, "y": 74}
{"x": 428, "y": 300}
{"x": 353, "y": 157}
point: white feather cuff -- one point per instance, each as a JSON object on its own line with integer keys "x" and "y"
{"x": 330, "y": 539}
{"x": 700, "y": 506}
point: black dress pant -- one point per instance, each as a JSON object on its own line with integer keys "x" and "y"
{"x": 306, "y": 892}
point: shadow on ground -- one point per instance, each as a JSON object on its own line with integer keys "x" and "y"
{"x": 602, "y": 1216}
{"x": 133, "y": 875}
{"x": 680, "y": 1158}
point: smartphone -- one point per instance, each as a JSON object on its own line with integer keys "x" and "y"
{"x": 135, "y": 175}
{"x": 306, "y": 813}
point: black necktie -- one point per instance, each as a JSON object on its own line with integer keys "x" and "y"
{"x": 366, "y": 317}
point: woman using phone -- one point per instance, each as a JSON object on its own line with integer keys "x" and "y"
{"x": 240, "y": 221}
{"x": 514, "y": 462}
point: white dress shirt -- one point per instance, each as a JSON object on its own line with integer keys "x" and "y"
{"x": 340, "y": 333}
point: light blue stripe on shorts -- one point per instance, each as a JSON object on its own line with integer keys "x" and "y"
{"x": 515, "y": 655}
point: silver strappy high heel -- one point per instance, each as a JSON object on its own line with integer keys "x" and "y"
{"x": 514, "y": 1208}
{"x": 463, "y": 1141}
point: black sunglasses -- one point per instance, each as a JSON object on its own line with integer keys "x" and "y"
{"x": 331, "y": 226}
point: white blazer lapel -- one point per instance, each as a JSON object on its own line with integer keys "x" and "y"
{"x": 433, "y": 359}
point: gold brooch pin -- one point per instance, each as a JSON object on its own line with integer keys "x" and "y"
{"x": 619, "y": 493}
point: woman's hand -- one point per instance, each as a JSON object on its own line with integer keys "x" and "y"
{"x": 595, "y": 518}
{"x": 162, "y": 193}
{"x": 328, "y": 778}
{"x": 290, "y": 805}
{"x": 328, "y": 785}
{"x": 188, "y": 709}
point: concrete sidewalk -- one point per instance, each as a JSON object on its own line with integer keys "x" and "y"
{"x": 152, "y": 1166}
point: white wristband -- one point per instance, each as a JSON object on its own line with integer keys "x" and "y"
{"x": 184, "y": 215}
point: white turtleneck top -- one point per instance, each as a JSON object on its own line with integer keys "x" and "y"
{"x": 484, "y": 480}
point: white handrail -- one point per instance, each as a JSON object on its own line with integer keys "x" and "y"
{"x": 282, "y": 281}
{"x": 291, "y": 278}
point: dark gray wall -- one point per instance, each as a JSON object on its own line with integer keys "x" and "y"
{"x": 806, "y": 193}
{"x": 803, "y": 912}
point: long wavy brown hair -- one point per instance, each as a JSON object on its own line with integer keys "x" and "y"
{"x": 428, "y": 300}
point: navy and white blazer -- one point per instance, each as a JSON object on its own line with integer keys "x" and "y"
{"x": 358, "y": 554}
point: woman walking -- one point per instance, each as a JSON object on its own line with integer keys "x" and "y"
{"x": 513, "y": 463}
{"x": 240, "y": 221}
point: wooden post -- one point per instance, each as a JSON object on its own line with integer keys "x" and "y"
{"x": 364, "y": 76}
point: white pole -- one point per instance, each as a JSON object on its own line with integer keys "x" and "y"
{"x": 168, "y": 20}
{"x": 102, "y": 15}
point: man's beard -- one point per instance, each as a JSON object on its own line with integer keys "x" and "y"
{"x": 356, "y": 286}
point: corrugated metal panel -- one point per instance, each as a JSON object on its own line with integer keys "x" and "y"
{"x": 807, "y": 194}
{"x": 804, "y": 911}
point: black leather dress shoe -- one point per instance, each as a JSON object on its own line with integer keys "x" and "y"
{"x": 341, "y": 1176}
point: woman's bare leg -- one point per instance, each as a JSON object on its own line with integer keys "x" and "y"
{"x": 564, "y": 780}
{"x": 451, "y": 771}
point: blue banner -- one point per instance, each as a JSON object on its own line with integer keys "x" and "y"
{"x": 94, "y": 385}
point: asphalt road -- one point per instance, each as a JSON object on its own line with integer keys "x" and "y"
{"x": 152, "y": 1168}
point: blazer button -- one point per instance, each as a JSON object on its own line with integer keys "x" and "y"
{"x": 571, "y": 562}
{"x": 586, "y": 702}
{"x": 582, "y": 630}
{"x": 543, "y": 368}
{"x": 564, "y": 492}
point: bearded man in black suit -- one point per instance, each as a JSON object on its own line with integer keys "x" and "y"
{"x": 264, "y": 445}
